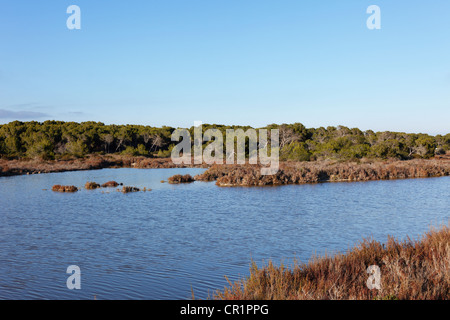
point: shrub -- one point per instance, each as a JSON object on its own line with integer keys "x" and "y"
{"x": 42, "y": 150}
{"x": 127, "y": 189}
{"x": 77, "y": 148}
{"x": 178, "y": 178}
{"x": 426, "y": 146}
{"x": 297, "y": 151}
{"x": 91, "y": 185}
{"x": 110, "y": 184}
{"x": 439, "y": 151}
{"x": 130, "y": 151}
{"x": 141, "y": 150}
{"x": 165, "y": 153}
{"x": 59, "y": 188}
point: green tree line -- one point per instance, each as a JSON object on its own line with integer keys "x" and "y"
{"x": 63, "y": 140}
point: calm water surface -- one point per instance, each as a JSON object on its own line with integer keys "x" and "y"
{"x": 160, "y": 244}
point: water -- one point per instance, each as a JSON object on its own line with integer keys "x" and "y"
{"x": 160, "y": 244}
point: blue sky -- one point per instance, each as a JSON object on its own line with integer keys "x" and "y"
{"x": 243, "y": 62}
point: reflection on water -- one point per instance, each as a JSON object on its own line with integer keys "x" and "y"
{"x": 160, "y": 244}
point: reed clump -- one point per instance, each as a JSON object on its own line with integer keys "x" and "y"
{"x": 178, "y": 178}
{"x": 410, "y": 270}
{"x": 110, "y": 184}
{"x": 324, "y": 171}
{"x": 69, "y": 189}
{"x": 91, "y": 185}
{"x": 127, "y": 189}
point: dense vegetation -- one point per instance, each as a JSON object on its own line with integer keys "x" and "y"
{"x": 64, "y": 140}
{"x": 178, "y": 178}
{"x": 325, "y": 171}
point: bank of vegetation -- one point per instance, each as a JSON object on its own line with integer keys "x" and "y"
{"x": 178, "y": 178}
{"x": 410, "y": 270}
{"x": 64, "y": 189}
{"x": 325, "y": 171}
{"x": 307, "y": 154}
{"x": 10, "y": 167}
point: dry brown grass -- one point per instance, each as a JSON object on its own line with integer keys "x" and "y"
{"x": 325, "y": 171}
{"x": 59, "y": 188}
{"x": 110, "y": 184}
{"x": 127, "y": 189}
{"x": 91, "y": 185}
{"x": 247, "y": 175}
{"x": 178, "y": 178}
{"x": 410, "y": 270}
{"x": 91, "y": 162}
{"x": 18, "y": 167}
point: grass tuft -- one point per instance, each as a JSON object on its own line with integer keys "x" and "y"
{"x": 110, "y": 184}
{"x": 59, "y": 188}
{"x": 127, "y": 189}
{"x": 178, "y": 178}
{"x": 91, "y": 186}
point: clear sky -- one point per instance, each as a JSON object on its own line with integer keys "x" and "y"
{"x": 246, "y": 62}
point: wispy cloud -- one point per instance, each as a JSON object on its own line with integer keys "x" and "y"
{"x": 30, "y": 105}
{"x": 21, "y": 115}
{"x": 76, "y": 113}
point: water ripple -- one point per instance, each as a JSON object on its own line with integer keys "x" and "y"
{"x": 160, "y": 244}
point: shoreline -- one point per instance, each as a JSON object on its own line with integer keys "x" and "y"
{"x": 408, "y": 270}
{"x": 292, "y": 173}
{"x": 226, "y": 175}
{"x": 92, "y": 162}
